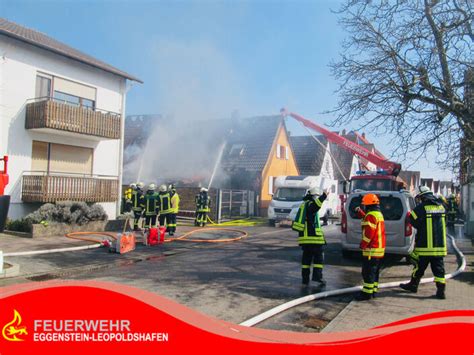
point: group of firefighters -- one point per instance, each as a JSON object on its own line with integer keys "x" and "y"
{"x": 428, "y": 217}
{"x": 161, "y": 206}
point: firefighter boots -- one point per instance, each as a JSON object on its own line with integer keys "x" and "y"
{"x": 440, "y": 288}
{"x": 363, "y": 296}
{"x": 411, "y": 286}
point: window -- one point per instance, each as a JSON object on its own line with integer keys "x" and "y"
{"x": 287, "y": 153}
{"x": 289, "y": 194}
{"x": 391, "y": 207}
{"x": 236, "y": 150}
{"x": 74, "y": 100}
{"x": 43, "y": 86}
{"x": 270, "y": 185}
{"x": 281, "y": 152}
{"x": 61, "y": 158}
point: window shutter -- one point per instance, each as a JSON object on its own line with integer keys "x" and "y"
{"x": 287, "y": 153}
{"x": 270, "y": 184}
{"x": 278, "y": 151}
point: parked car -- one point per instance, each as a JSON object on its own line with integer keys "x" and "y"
{"x": 394, "y": 205}
{"x": 289, "y": 194}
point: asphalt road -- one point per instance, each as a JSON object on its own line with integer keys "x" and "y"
{"x": 230, "y": 281}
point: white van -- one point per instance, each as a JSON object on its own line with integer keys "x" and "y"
{"x": 394, "y": 205}
{"x": 289, "y": 194}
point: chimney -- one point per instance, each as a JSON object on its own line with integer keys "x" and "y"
{"x": 363, "y": 135}
{"x": 343, "y": 132}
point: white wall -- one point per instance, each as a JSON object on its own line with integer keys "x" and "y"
{"x": 19, "y": 64}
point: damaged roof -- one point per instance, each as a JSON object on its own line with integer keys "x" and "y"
{"x": 309, "y": 154}
{"x": 38, "y": 39}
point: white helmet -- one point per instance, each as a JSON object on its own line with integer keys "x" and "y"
{"x": 141, "y": 185}
{"x": 163, "y": 188}
{"x": 315, "y": 191}
{"x": 424, "y": 190}
{"x": 203, "y": 189}
{"x": 152, "y": 187}
{"x": 171, "y": 187}
{"x": 133, "y": 186}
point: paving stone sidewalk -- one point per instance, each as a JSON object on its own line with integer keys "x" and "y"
{"x": 396, "y": 304}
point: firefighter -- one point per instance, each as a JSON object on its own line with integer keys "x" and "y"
{"x": 452, "y": 208}
{"x": 311, "y": 237}
{"x": 203, "y": 207}
{"x": 151, "y": 206}
{"x": 429, "y": 219}
{"x": 372, "y": 245}
{"x": 127, "y": 198}
{"x": 164, "y": 202}
{"x": 174, "y": 208}
{"x": 138, "y": 203}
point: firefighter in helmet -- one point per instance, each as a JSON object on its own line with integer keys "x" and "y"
{"x": 311, "y": 237}
{"x": 452, "y": 208}
{"x": 127, "y": 198}
{"x": 138, "y": 204}
{"x": 372, "y": 244}
{"x": 429, "y": 219}
{"x": 203, "y": 207}
{"x": 164, "y": 202}
{"x": 151, "y": 206}
{"x": 174, "y": 208}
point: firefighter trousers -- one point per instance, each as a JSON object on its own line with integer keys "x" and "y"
{"x": 172, "y": 223}
{"x": 422, "y": 262}
{"x": 312, "y": 258}
{"x": 201, "y": 218}
{"x": 370, "y": 274}
{"x": 165, "y": 220}
{"x": 150, "y": 221}
{"x": 136, "y": 218}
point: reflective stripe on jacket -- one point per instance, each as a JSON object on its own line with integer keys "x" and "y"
{"x": 151, "y": 204}
{"x": 429, "y": 219}
{"x": 373, "y": 235}
{"x": 138, "y": 200}
{"x": 165, "y": 203}
{"x": 307, "y": 222}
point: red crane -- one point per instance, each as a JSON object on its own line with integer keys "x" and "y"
{"x": 366, "y": 181}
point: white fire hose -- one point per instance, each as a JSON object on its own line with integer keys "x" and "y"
{"x": 296, "y": 302}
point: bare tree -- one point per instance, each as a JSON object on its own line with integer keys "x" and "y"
{"x": 402, "y": 72}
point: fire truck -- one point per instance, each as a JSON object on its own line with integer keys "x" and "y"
{"x": 4, "y": 199}
{"x": 384, "y": 179}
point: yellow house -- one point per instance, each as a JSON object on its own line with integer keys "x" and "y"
{"x": 258, "y": 150}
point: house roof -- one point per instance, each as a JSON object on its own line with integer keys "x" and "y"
{"x": 249, "y": 142}
{"x": 43, "y": 41}
{"x": 309, "y": 154}
{"x": 344, "y": 160}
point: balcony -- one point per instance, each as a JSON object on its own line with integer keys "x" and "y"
{"x": 51, "y": 187}
{"x": 49, "y": 113}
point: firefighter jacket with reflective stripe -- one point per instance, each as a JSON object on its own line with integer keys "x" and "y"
{"x": 429, "y": 219}
{"x": 151, "y": 203}
{"x": 203, "y": 202}
{"x": 138, "y": 200}
{"x": 164, "y": 200}
{"x": 373, "y": 234}
{"x": 307, "y": 222}
{"x": 452, "y": 206}
{"x": 175, "y": 203}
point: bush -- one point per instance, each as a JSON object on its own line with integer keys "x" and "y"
{"x": 67, "y": 212}
{"x": 19, "y": 225}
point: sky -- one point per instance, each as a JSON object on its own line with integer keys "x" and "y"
{"x": 207, "y": 59}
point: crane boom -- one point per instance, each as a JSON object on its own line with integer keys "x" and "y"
{"x": 390, "y": 167}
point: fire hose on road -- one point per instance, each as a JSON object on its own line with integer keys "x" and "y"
{"x": 296, "y": 302}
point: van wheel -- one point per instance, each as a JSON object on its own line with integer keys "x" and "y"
{"x": 271, "y": 222}
{"x": 347, "y": 254}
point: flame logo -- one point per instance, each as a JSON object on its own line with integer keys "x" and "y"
{"x": 12, "y": 329}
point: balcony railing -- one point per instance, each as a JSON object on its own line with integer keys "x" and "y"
{"x": 60, "y": 115}
{"x": 43, "y": 187}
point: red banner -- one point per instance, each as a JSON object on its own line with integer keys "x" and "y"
{"x": 105, "y": 318}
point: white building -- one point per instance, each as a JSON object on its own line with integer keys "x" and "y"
{"x": 61, "y": 122}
